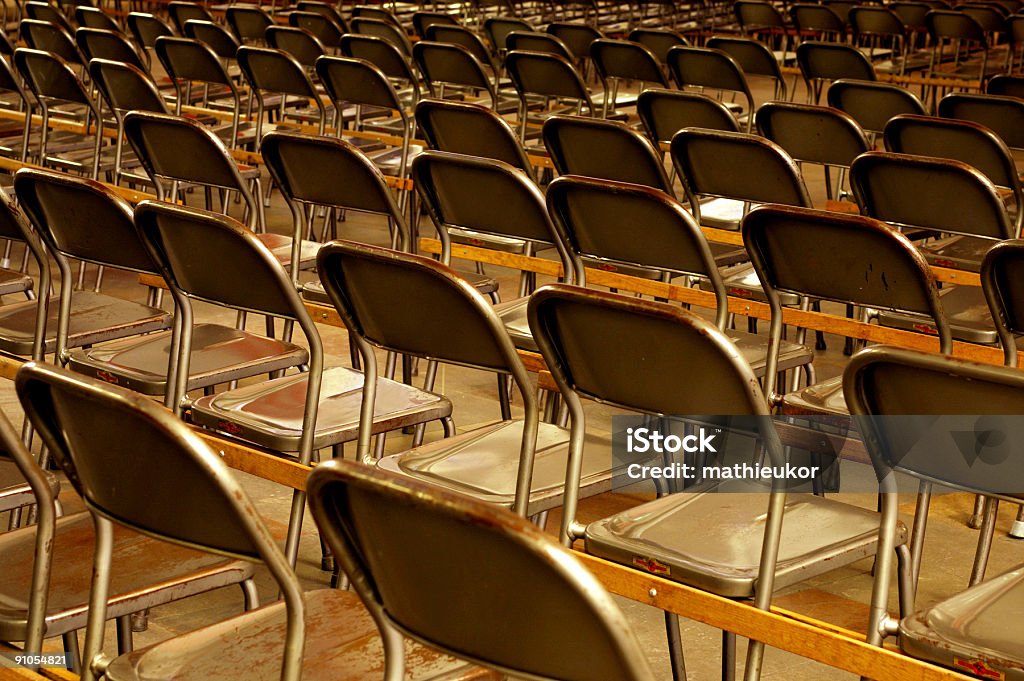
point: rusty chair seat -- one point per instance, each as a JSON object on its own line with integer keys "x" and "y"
{"x": 270, "y": 413}
{"x": 147, "y": 573}
{"x": 342, "y": 644}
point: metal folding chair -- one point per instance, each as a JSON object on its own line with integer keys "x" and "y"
{"x": 702, "y": 67}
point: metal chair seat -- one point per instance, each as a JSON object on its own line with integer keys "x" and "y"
{"x": 220, "y": 354}
{"x": 712, "y": 541}
{"x": 754, "y": 349}
{"x": 958, "y": 252}
{"x": 342, "y": 644}
{"x": 742, "y": 282}
{"x": 270, "y": 413}
{"x": 95, "y": 318}
{"x": 12, "y": 281}
{"x": 977, "y": 629}
{"x": 969, "y": 316}
{"x": 147, "y": 573}
{"x": 492, "y": 241}
{"x": 513, "y": 315}
{"x": 281, "y": 246}
{"x": 482, "y": 463}
{"x": 722, "y": 213}
{"x": 14, "y": 491}
{"x": 390, "y": 160}
{"x": 825, "y": 397}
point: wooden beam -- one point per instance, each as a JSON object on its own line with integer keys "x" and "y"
{"x": 852, "y": 654}
{"x": 13, "y": 165}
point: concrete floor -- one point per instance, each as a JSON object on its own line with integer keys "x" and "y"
{"x": 839, "y": 597}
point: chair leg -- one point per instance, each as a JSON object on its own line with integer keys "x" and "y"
{"x": 74, "y": 652}
{"x": 124, "y": 635}
{"x": 974, "y": 522}
{"x": 503, "y": 398}
{"x": 728, "y": 656}
{"x": 675, "y": 647}
{"x": 904, "y": 580}
{"x": 327, "y": 562}
{"x": 988, "y": 530}
{"x": 1017, "y": 531}
{"x": 250, "y": 596}
{"x": 291, "y": 548}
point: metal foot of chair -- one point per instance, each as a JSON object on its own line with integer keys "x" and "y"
{"x": 976, "y": 515}
{"x": 1017, "y": 531}
{"x": 251, "y": 597}
{"x": 74, "y": 652}
{"x": 675, "y": 647}
{"x": 140, "y": 620}
{"x": 125, "y": 644}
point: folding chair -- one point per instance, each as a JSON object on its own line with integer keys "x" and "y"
{"x": 387, "y": 30}
{"x": 321, "y": 26}
{"x": 817, "y": 21}
{"x": 146, "y": 28}
{"x": 448, "y": 64}
{"x": 618, "y": 61}
{"x": 658, "y": 40}
{"x": 301, "y": 44}
{"x": 181, "y": 11}
{"x": 703, "y": 67}
{"x": 821, "y": 63}
{"x": 734, "y": 545}
{"x": 873, "y": 104}
{"x": 159, "y": 523}
{"x": 410, "y": 520}
{"x": 384, "y": 56}
{"x": 421, "y": 21}
{"x": 550, "y": 77}
{"x": 298, "y": 413}
{"x": 1002, "y": 114}
{"x": 882, "y": 383}
{"x": 755, "y": 59}
{"x": 663, "y": 113}
{"x": 97, "y": 43}
{"x": 276, "y": 72}
{"x": 248, "y": 23}
{"x": 50, "y": 37}
{"x": 815, "y": 134}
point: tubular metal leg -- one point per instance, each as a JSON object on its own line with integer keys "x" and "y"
{"x": 74, "y": 652}
{"x": 291, "y": 547}
{"x": 728, "y": 656}
{"x": 125, "y": 644}
{"x": 326, "y": 557}
{"x": 250, "y": 596}
{"x": 503, "y": 398}
{"x": 905, "y": 580}
{"x": 1017, "y": 531}
{"x": 976, "y": 515}
{"x": 675, "y": 647}
{"x": 988, "y": 530}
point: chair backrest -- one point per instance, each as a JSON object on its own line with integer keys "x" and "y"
{"x": 181, "y": 491}
{"x": 1003, "y": 115}
{"x": 949, "y": 196}
{"x": 821, "y": 61}
{"x": 817, "y": 19}
{"x": 1006, "y": 84}
{"x": 603, "y": 149}
{"x": 248, "y": 22}
{"x": 223, "y": 43}
{"x": 270, "y": 70}
{"x": 912, "y": 14}
{"x": 98, "y": 43}
{"x": 757, "y": 15}
{"x": 817, "y": 134}
{"x": 381, "y": 54}
{"x": 178, "y": 237}
{"x": 972, "y": 143}
{"x": 87, "y": 16}
{"x": 1002, "y": 276}
{"x": 383, "y": 29}
{"x": 616, "y": 223}
{"x": 576, "y": 36}
{"x": 181, "y": 11}
{"x": 323, "y": 27}
{"x": 884, "y": 382}
{"x": 307, "y": 170}
{"x": 470, "y": 129}
{"x": 448, "y": 63}
{"x": 301, "y": 44}
{"x": 663, "y": 113}
{"x": 50, "y": 37}
{"x": 460, "y": 35}
{"x": 179, "y": 148}
{"x": 658, "y": 40}
{"x": 125, "y": 88}
{"x": 497, "y": 29}
{"x": 357, "y": 81}
{"x": 377, "y": 13}
{"x": 625, "y": 60}
{"x": 146, "y": 28}
{"x": 536, "y": 41}
{"x": 423, "y": 533}
{"x": 456, "y": 191}
{"x": 550, "y": 75}
{"x": 99, "y": 230}
{"x": 873, "y": 104}
{"x": 189, "y": 59}
{"x": 872, "y": 21}
{"x": 50, "y": 77}
{"x": 754, "y": 58}
{"x": 949, "y": 24}
{"x": 840, "y": 257}
{"x": 328, "y": 10}
{"x": 704, "y": 67}
{"x": 422, "y": 20}
{"x": 737, "y": 166}
{"x": 44, "y": 11}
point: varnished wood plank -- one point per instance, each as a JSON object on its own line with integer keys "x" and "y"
{"x": 130, "y": 195}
